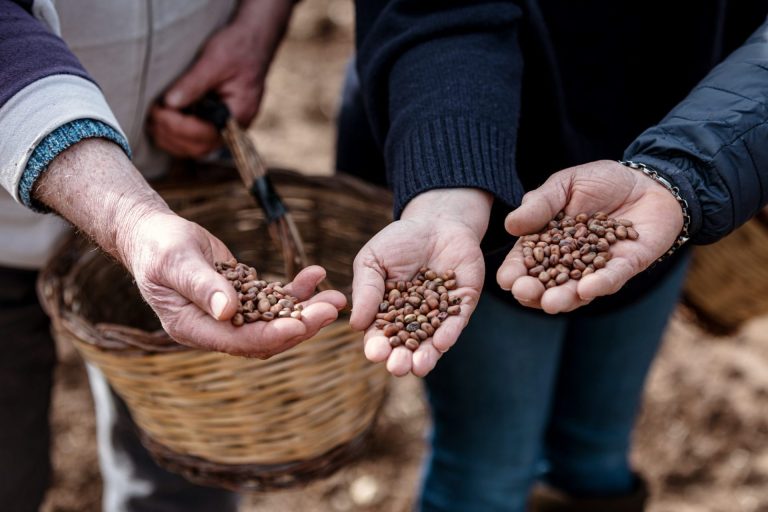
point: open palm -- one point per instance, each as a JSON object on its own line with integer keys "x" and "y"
{"x": 605, "y": 186}
{"x": 396, "y": 253}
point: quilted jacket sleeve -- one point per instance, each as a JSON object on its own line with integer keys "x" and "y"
{"x": 714, "y": 144}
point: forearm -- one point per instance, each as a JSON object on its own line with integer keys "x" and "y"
{"x": 96, "y": 188}
{"x": 441, "y": 84}
{"x": 250, "y": 20}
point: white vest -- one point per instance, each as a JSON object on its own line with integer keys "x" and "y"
{"x": 134, "y": 49}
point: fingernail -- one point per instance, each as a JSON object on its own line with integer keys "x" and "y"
{"x": 174, "y": 99}
{"x": 218, "y": 303}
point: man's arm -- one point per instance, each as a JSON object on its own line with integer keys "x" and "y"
{"x": 713, "y": 147}
{"x": 95, "y": 187}
{"x": 441, "y": 85}
{"x": 714, "y": 144}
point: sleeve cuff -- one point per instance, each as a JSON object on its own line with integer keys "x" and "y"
{"x": 453, "y": 153}
{"x": 56, "y": 142}
{"x": 39, "y": 109}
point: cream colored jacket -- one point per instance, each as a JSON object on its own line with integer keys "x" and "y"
{"x": 134, "y": 49}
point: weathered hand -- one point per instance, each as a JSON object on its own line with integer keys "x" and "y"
{"x": 94, "y": 186}
{"x": 597, "y": 186}
{"x": 172, "y": 262}
{"x": 439, "y": 229}
{"x": 233, "y": 63}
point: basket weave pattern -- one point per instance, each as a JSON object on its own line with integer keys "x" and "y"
{"x": 230, "y": 421}
{"x": 727, "y": 281}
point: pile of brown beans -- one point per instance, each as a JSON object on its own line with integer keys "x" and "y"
{"x": 573, "y": 247}
{"x": 412, "y": 311}
{"x": 259, "y": 300}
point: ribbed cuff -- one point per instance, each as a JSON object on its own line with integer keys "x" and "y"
{"x": 453, "y": 153}
{"x": 57, "y": 141}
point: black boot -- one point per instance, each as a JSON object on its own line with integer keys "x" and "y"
{"x": 548, "y": 499}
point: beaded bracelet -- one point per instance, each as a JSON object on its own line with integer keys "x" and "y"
{"x": 654, "y": 175}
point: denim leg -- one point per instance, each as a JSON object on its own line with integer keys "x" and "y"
{"x": 600, "y": 384}
{"x": 26, "y": 377}
{"x": 490, "y": 397}
{"x": 133, "y": 482}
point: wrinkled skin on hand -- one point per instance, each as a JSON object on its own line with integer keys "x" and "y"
{"x": 172, "y": 261}
{"x": 605, "y": 186}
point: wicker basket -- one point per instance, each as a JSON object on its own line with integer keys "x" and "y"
{"x": 728, "y": 280}
{"x": 233, "y": 422}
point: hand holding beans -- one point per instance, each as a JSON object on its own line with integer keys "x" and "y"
{"x": 604, "y": 189}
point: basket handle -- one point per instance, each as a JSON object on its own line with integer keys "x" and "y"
{"x": 255, "y": 177}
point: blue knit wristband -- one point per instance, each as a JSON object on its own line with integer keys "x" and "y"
{"x": 57, "y": 141}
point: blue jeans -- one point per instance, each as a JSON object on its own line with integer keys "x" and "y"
{"x": 523, "y": 396}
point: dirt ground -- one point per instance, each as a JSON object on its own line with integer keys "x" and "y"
{"x": 702, "y": 438}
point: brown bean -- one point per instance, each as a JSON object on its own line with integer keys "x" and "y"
{"x": 251, "y": 316}
{"x": 562, "y": 278}
{"x": 390, "y": 330}
{"x": 395, "y": 341}
{"x": 390, "y": 316}
{"x": 599, "y": 262}
{"x": 411, "y": 344}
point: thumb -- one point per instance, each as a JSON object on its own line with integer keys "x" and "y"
{"x": 539, "y": 206}
{"x": 367, "y": 293}
{"x": 203, "y": 76}
{"x": 195, "y": 279}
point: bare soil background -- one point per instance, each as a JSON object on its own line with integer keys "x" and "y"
{"x": 702, "y": 438}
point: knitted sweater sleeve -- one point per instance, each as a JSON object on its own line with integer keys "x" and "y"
{"x": 441, "y": 85}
